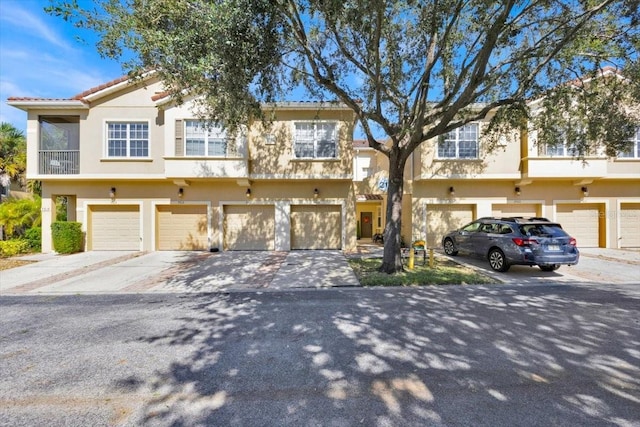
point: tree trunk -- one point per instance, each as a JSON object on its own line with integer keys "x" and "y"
{"x": 392, "y": 259}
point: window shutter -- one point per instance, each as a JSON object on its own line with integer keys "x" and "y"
{"x": 179, "y": 138}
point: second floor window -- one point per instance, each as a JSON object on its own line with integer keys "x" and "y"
{"x": 128, "y": 139}
{"x": 460, "y": 143}
{"x": 315, "y": 140}
{"x": 204, "y": 140}
{"x": 634, "y": 150}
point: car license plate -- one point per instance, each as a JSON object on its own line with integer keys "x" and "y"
{"x": 553, "y": 247}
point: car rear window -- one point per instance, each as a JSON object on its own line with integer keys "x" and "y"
{"x": 543, "y": 230}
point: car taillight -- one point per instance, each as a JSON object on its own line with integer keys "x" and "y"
{"x": 573, "y": 242}
{"x": 524, "y": 242}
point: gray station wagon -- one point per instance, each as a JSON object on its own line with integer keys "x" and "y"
{"x": 514, "y": 241}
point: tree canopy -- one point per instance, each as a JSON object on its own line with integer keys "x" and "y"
{"x": 412, "y": 70}
{"x": 13, "y": 153}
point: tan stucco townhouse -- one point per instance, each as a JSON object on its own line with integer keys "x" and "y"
{"x": 142, "y": 173}
{"x": 457, "y": 178}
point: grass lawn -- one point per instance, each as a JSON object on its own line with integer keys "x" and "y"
{"x": 444, "y": 272}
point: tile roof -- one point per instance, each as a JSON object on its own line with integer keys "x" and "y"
{"x": 103, "y": 86}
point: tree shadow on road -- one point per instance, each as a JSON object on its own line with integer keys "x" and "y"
{"x": 552, "y": 355}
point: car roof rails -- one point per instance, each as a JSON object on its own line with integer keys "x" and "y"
{"x": 538, "y": 218}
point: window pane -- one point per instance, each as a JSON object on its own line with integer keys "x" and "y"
{"x": 139, "y": 139}
{"x": 117, "y": 148}
{"x": 303, "y": 143}
{"x": 446, "y": 148}
{"x": 326, "y": 140}
{"x": 303, "y": 149}
{"x": 194, "y": 147}
{"x": 468, "y": 141}
{"x": 117, "y": 140}
{"x": 557, "y": 150}
{"x": 217, "y": 147}
{"x": 468, "y": 150}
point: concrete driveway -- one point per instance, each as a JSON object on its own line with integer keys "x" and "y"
{"x": 173, "y": 271}
{"x": 615, "y": 266}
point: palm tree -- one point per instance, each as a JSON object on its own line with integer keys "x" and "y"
{"x": 13, "y": 153}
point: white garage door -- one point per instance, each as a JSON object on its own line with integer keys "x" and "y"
{"x": 249, "y": 228}
{"x": 581, "y": 221}
{"x": 316, "y": 227}
{"x": 181, "y": 227}
{"x": 114, "y": 228}
{"x": 630, "y": 225}
{"x": 444, "y": 218}
{"x": 525, "y": 210}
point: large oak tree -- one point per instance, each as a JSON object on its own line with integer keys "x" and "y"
{"x": 410, "y": 70}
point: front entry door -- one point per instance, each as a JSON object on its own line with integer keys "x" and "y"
{"x": 366, "y": 225}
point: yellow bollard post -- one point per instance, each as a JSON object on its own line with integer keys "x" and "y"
{"x": 431, "y": 260}
{"x": 412, "y": 257}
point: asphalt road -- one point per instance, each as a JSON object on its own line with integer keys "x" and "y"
{"x": 457, "y": 355}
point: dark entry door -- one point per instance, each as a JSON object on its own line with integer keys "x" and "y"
{"x": 366, "y": 226}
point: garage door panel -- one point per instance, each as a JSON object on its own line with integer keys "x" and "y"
{"x": 525, "y": 210}
{"x": 115, "y": 227}
{"x": 444, "y": 218}
{"x": 249, "y": 227}
{"x": 630, "y": 225}
{"x": 581, "y": 221}
{"x": 316, "y": 227}
{"x": 182, "y": 227}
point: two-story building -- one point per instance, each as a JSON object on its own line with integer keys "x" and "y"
{"x": 456, "y": 179}
{"x": 142, "y": 173}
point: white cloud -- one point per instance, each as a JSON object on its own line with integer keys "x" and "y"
{"x": 30, "y": 23}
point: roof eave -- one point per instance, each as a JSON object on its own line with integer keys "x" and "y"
{"x": 26, "y": 105}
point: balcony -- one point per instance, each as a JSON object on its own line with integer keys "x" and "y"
{"x": 59, "y": 162}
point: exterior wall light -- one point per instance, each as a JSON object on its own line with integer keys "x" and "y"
{"x": 112, "y": 192}
{"x": 316, "y": 193}
{"x": 517, "y": 190}
{"x": 248, "y": 193}
{"x": 452, "y": 191}
{"x": 180, "y": 193}
{"x": 585, "y": 191}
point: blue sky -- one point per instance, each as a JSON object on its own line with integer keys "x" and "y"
{"x": 41, "y": 57}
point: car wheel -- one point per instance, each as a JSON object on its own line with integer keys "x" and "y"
{"x": 497, "y": 261}
{"x": 449, "y": 247}
{"x": 549, "y": 267}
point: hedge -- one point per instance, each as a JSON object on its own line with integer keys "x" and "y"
{"x": 34, "y": 237}
{"x": 67, "y": 237}
{"x": 13, "y": 247}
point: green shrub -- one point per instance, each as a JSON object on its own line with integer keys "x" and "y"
{"x": 9, "y": 248}
{"x": 34, "y": 237}
{"x": 67, "y": 237}
{"x": 18, "y": 215}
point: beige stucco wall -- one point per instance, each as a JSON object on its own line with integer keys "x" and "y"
{"x": 214, "y": 194}
{"x": 500, "y": 162}
{"x": 276, "y": 161}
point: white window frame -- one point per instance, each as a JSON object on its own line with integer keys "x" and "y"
{"x": 128, "y": 139}
{"x": 211, "y": 134}
{"x": 315, "y": 139}
{"x": 454, "y": 137}
{"x": 634, "y": 151}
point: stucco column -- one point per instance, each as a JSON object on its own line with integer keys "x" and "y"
{"x": 283, "y": 226}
